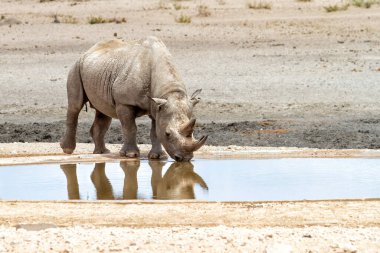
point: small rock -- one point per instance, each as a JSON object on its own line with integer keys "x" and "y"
{"x": 35, "y": 227}
{"x": 10, "y": 21}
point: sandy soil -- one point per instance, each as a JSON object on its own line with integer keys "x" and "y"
{"x": 312, "y": 75}
{"x": 321, "y": 226}
{"x": 190, "y": 239}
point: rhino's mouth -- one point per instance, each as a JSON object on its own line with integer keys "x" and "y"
{"x": 180, "y": 158}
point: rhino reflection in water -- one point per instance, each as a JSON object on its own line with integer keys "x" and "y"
{"x": 177, "y": 183}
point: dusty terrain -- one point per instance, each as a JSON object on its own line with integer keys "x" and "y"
{"x": 293, "y": 75}
{"x": 321, "y": 226}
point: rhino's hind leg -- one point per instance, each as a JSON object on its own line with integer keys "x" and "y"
{"x": 156, "y": 152}
{"x": 76, "y": 99}
{"x": 127, "y": 116}
{"x": 98, "y": 130}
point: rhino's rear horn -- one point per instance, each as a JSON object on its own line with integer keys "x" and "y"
{"x": 188, "y": 129}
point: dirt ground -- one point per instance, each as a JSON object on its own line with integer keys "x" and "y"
{"x": 293, "y": 75}
{"x": 321, "y": 226}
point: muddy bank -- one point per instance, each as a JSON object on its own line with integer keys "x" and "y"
{"x": 359, "y": 133}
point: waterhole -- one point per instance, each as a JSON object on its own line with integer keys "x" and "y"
{"x": 213, "y": 180}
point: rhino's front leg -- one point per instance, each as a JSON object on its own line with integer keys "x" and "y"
{"x": 156, "y": 152}
{"x": 127, "y": 116}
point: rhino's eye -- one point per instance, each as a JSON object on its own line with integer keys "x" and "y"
{"x": 167, "y": 134}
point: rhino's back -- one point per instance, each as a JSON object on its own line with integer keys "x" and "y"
{"x": 119, "y": 72}
{"x": 108, "y": 64}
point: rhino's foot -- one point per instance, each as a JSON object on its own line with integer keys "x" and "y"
{"x": 157, "y": 155}
{"x": 101, "y": 151}
{"x": 130, "y": 153}
{"x": 67, "y": 148}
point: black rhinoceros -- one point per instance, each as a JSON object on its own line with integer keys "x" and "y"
{"x": 128, "y": 79}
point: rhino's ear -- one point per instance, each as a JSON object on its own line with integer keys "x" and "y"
{"x": 159, "y": 102}
{"x": 194, "y": 100}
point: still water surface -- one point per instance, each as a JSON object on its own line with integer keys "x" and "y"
{"x": 220, "y": 180}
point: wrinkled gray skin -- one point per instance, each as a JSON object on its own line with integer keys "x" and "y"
{"x": 126, "y": 80}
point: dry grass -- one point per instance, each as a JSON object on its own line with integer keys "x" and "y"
{"x": 364, "y": 3}
{"x": 66, "y": 19}
{"x": 163, "y": 5}
{"x": 177, "y": 6}
{"x": 259, "y": 5}
{"x": 96, "y": 20}
{"x": 183, "y": 19}
{"x": 204, "y": 11}
{"x": 304, "y": 1}
{"x": 100, "y": 20}
{"x": 336, "y": 7}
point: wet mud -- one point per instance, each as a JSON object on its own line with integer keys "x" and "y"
{"x": 358, "y": 133}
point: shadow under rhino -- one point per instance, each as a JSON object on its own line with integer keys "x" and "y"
{"x": 177, "y": 183}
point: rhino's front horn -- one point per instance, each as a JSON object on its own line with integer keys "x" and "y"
{"x": 188, "y": 128}
{"x": 198, "y": 144}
